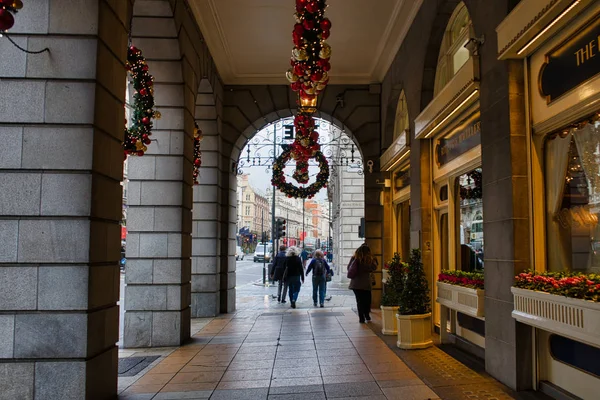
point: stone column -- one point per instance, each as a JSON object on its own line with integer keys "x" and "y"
{"x": 157, "y": 295}
{"x": 506, "y": 211}
{"x": 61, "y": 160}
{"x": 206, "y": 229}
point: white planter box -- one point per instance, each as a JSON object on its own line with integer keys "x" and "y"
{"x": 573, "y": 318}
{"x": 465, "y": 300}
{"x": 414, "y": 331}
{"x": 388, "y": 320}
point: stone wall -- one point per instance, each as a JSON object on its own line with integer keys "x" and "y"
{"x": 61, "y": 162}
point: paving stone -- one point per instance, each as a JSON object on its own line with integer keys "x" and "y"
{"x": 298, "y": 396}
{"x": 352, "y": 389}
{"x": 202, "y": 394}
{"x": 418, "y": 392}
{"x": 242, "y": 394}
{"x": 275, "y": 390}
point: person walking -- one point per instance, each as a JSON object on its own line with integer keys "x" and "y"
{"x": 278, "y": 269}
{"x": 320, "y": 270}
{"x": 293, "y": 274}
{"x": 361, "y": 265}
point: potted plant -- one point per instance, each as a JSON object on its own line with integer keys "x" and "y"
{"x": 391, "y": 295}
{"x": 414, "y": 313}
{"x": 462, "y": 291}
{"x": 564, "y": 303}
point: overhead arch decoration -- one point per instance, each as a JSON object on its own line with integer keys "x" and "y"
{"x": 308, "y": 77}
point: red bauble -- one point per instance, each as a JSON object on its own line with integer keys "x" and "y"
{"x": 298, "y": 69}
{"x": 326, "y": 66}
{"x": 145, "y": 136}
{"x": 312, "y": 7}
{"x": 133, "y": 49}
{"x": 316, "y": 76}
{"x": 298, "y": 29}
{"x": 149, "y": 83}
{"x": 6, "y": 20}
{"x": 297, "y": 40}
{"x": 147, "y": 141}
{"x": 308, "y": 24}
{"x": 145, "y": 120}
{"x": 143, "y": 92}
{"x": 197, "y": 162}
{"x": 140, "y": 153}
{"x": 314, "y": 136}
{"x": 145, "y": 68}
{"x": 325, "y": 35}
{"x": 326, "y": 24}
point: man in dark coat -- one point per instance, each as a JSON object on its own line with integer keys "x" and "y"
{"x": 278, "y": 269}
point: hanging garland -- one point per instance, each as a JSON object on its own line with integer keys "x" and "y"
{"x": 475, "y": 192}
{"x": 310, "y": 56}
{"x": 7, "y": 9}
{"x": 198, "y": 136}
{"x": 308, "y": 76}
{"x": 137, "y": 137}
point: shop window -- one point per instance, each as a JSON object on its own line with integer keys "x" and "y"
{"x": 444, "y": 241}
{"x": 572, "y": 177}
{"x": 470, "y": 217}
{"x": 575, "y": 354}
{"x": 403, "y": 229}
{"x": 444, "y": 193}
{"x": 401, "y": 121}
{"x": 453, "y": 54}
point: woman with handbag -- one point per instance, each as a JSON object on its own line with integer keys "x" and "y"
{"x": 360, "y": 271}
{"x": 322, "y": 273}
{"x": 293, "y": 274}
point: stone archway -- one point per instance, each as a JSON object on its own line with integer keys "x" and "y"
{"x": 247, "y": 109}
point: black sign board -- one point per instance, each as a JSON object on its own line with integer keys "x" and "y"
{"x": 573, "y": 62}
{"x": 463, "y": 140}
{"x": 288, "y": 132}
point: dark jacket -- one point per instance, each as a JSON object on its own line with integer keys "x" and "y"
{"x": 362, "y": 281}
{"x": 312, "y": 265}
{"x": 294, "y": 267}
{"x": 279, "y": 266}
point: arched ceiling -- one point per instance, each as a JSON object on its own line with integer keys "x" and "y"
{"x": 251, "y": 41}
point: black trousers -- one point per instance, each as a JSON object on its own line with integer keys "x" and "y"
{"x": 363, "y": 303}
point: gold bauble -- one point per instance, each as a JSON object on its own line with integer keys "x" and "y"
{"x": 325, "y": 51}
{"x": 299, "y": 54}
{"x": 310, "y": 90}
{"x": 144, "y": 148}
{"x": 325, "y": 76}
{"x": 157, "y": 115}
{"x": 321, "y": 87}
{"x": 17, "y": 4}
{"x": 291, "y": 76}
{"x": 139, "y": 145}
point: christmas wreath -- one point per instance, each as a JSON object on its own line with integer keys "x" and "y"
{"x": 475, "y": 192}
{"x": 137, "y": 137}
{"x": 197, "y": 153}
{"x": 7, "y": 9}
{"x": 290, "y": 190}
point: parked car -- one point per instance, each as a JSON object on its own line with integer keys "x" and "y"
{"x": 239, "y": 253}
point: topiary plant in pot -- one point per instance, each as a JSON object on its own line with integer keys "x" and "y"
{"x": 390, "y": 299}
{"x": 414, "y": 314}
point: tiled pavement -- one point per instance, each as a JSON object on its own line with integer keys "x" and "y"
{"x": 291, "y": 355}
{"x": 267, "y": 350}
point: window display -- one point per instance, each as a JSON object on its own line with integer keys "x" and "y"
{"x": 470, "y": 217}
{"x": 572, "y": 183}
